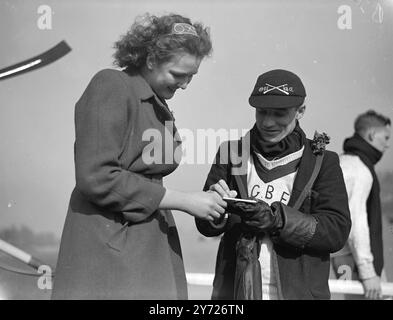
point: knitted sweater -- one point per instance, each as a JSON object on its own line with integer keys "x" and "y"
{"x": 358, "y": 181}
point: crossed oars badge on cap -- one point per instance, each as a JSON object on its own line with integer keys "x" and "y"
{"x": 279, "y": 88}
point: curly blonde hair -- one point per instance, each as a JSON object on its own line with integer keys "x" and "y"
{"x": 152, "y": 35}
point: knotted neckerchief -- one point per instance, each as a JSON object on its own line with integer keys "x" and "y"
{"x": 273, "y": 150}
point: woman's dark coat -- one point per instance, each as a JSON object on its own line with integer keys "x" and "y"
{"x": 116, "y": 244}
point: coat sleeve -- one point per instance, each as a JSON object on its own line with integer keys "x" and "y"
{"x": 330, "y": 208}
{"x": 220, "y": 169}
{"x": 101, "y": 121}
{"x": 326, "y": 228}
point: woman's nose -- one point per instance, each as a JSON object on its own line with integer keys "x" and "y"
{"x": 183, "y": 85}
{"x": 185, "y": 82}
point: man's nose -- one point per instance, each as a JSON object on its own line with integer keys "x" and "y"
{"x": 267, "y": 121}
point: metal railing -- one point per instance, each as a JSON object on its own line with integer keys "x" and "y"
{"x": 206, "y": 279}
{"x": 336, "y": 286}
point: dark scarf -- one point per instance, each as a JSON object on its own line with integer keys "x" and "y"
{"x": 290, "y": 144}
{"x": 356, "y": 145}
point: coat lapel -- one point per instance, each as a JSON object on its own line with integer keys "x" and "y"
{"x": 239, "y": 154}
{"x": 303, "y": 175}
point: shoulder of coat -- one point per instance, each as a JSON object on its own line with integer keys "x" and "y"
{"x": 108, "y": 73}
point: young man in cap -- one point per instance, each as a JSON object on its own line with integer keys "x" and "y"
{"x": 363, "y": 253}
{"x": 301, "y": 214}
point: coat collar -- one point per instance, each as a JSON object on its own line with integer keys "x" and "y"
{"x": 143, "y": 90}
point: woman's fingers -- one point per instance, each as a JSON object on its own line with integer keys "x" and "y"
{"x": 220, "y": 210}
{"x": 219, "y": 206}
{"x": 215, "y": 214}
{"x": 219, "y": 201}
{"x": 217, "y": 188}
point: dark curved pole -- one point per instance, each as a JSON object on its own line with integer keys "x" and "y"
{"x": 53, "y": 54}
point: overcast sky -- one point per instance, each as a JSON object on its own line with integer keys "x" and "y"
{"x": 345, "y": 72}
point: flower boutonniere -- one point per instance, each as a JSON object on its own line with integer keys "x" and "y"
{"x": 319, "y": 142}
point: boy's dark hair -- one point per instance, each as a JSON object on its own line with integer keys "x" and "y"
{"x": 370, "y": 119}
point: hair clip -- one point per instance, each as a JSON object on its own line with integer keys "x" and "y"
{"x": 184, "y": 28}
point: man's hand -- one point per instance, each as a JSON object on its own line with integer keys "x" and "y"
{"x": 259, "y": 217}
{"x": 372, "y": 288}
{"x": 222, "y": 189}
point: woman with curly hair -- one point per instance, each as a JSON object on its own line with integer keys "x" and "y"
{"x": 119, "y": 239}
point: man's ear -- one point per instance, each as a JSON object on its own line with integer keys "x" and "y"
{"x": 371, "y": 134}
{"x": 300, "y": 112}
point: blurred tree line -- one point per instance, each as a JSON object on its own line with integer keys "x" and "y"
{"x": 24, "y": 237}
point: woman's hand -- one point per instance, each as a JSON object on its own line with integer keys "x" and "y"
{"x": 205, "y": 205}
